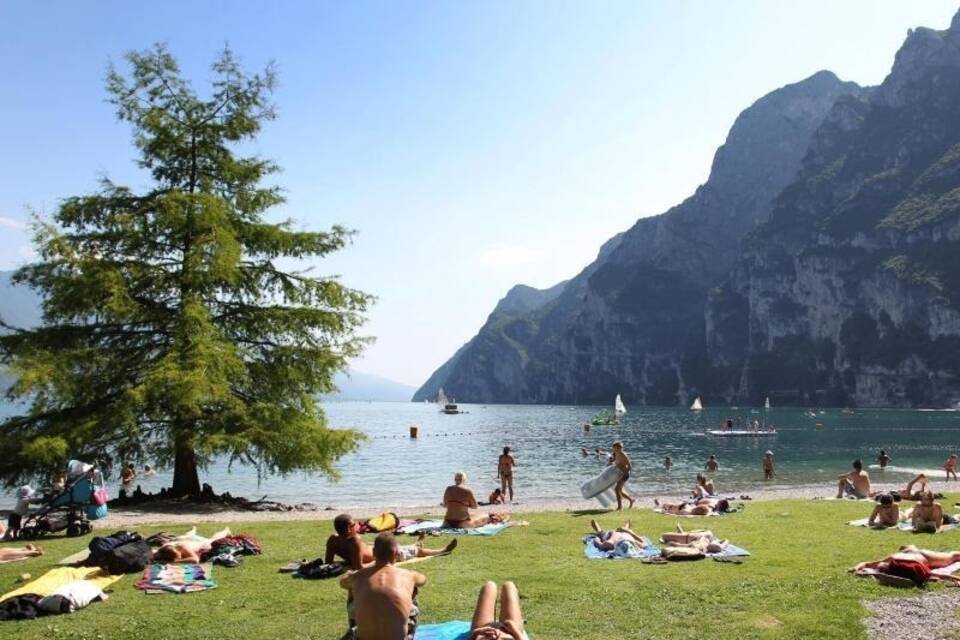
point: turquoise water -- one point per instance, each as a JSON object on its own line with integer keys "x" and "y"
{"x": 392, "y": 470}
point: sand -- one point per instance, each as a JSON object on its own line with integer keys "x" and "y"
{"x": 182, "y": 512}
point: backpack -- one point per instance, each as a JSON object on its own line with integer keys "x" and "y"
{"x": 100, "y": 546}
{"x": 132, "y": 557}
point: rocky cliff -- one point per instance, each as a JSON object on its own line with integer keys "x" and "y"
{"x": 629, "y": 322}
{"x": 850, "y": 293}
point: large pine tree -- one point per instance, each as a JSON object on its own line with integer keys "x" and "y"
{"x": 173, "y": 329}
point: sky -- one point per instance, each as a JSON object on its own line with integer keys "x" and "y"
{"x": 471, "y": 145}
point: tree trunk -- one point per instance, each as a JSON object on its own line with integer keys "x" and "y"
{"x": 186, "y": 478}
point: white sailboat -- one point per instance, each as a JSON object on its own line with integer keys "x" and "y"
{"x": 448, "y": 406}
{"x": 766, "y": 403}
{"x": 618, "y": 407}
{"x": 697, "y": 405}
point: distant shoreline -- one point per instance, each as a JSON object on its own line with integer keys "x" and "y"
{"x": 171, "y": 513}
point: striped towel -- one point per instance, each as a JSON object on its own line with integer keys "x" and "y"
{"x": 176, "y": 578}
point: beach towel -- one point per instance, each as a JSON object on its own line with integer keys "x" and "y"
{"x": 730, "y": 551}
{"x": 901, "y": 526}
{"x": 75, "y": 559}
{"x": 437, "y": 525}
{"x": 453, "y": 630}
{"x": 52, "y": 580}
{"x": 176, "y": 578}
{"x": 625, "y": 549}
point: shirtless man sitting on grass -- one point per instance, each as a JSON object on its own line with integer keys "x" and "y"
{"x": 855, "y": 483}
{"x": 927, "y": 516}
{"x": 381, "y": 601}
{"x": 356, "y": 554}
{"x": 608, "y": 540}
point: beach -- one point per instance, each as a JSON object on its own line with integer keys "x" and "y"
{"x": 174, "y": 511}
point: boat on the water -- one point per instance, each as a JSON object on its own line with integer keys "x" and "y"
{"x": 448, "y": 406}
{"x": 766, "y": 404}
{"x": 697, "y": 405}
{"x": 741, "y": 433}
{"x": 605, "y": 418}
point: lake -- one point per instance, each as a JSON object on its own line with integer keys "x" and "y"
{"x": 392, "y": 470}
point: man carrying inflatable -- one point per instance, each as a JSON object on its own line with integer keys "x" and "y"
{"x": 622, "y": 461}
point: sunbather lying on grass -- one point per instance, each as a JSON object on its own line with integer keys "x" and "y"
{"x": 911, "y": 562}
{"x": 703, "y": 540}
{"x": 485, "y": 625}
{"x": 350, "y": 547}
{"x": 189, "y": 547}
{"x": 700, "y": 507}
{"x": 28, "y": 551}
{"x": 607, "y": 539}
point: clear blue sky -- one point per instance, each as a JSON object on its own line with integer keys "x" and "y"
{"x": 473, "y": 145}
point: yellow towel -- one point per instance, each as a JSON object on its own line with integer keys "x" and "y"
{"x": 56, "y": 578}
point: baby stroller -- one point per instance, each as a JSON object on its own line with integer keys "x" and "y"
{"x": 84, "y": 498}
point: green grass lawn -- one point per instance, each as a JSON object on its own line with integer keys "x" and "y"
{"x": 794, "y": 586}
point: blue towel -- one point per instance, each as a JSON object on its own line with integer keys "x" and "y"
{"x": 627, "y": 551}
{"x": 730, "y": 551}
{"x": 453, "y": 630}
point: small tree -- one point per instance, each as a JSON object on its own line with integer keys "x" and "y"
{"x": 170, "y": 331}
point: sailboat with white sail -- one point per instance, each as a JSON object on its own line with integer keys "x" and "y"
{"x": 618, "y": 408}
{"x": 447, "y": 405}
{"x": 766, "y": 404}
{"x": 697, "y": 405}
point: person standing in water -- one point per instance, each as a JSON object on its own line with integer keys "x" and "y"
{"x": 883, "y": 459}
{"x": 667, "y": 463}
{"x": 505, "y": 465}
{"x": 768, "y": 472}
{"x": 950, "y": 466}
{"x": 622, "y": 461}
{"x": 712, "y": 464}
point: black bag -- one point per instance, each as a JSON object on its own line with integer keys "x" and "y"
{"x": 132, "y": 557}
{"x": 100, "y": 546}
{"x": 319, "y": 570}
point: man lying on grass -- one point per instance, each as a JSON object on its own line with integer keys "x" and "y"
{"x": 381, "y": 601}
{"x": 356, "y": 554}
{"x": 608, "y": 539}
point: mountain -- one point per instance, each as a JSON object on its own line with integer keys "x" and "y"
{"x": 629, "y": 322}
{"x": 850, "y": 293}
{"x": 357, "y": 386}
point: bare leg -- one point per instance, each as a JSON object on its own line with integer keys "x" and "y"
{"x": 503, "y": 486}
{"x": 429, "y": 553}
{"x": 7, "y": 555}
{"x": 628, "y": 531}
{"x": 510, "y": 615}
{"x": 595, "y": 526}
{"x": 510, "y": 486}
{"x": 223, "y": 533}
{"x": 486, "y": 611}
{"x": 621, "y": 493}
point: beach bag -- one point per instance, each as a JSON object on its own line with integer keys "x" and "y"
{"x": 383, "y": 522}
{"x": 95, "y": 511}
{"x": 681, "y": 553}
{"x": 99, "y": 496}
{"x": 132, "y": 557}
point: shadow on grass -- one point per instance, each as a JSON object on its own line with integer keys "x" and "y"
{"x": 579, "y": 513}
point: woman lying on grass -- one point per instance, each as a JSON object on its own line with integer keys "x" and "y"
{"x": 700, "y": 507}
{"x": 913, "y": 563}
{"x": 11, "y": 554}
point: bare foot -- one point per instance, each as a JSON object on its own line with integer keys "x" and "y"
{"x": 631, "y": 503}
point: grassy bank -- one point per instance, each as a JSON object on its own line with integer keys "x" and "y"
{"x": 794, "y": 586}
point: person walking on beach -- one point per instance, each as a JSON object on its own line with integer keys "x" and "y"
{"x": 381, "y": 596}
{"x": 768, "y": 472}
{"x": 712, "y": 464}
{"x": 950, "y": 466}
{"x": 883, "y": 459}
{"x": 505, "y": 465}
{"x": 622, "y": 461}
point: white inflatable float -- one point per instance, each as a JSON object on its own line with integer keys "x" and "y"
{"x": 601, "y": 487}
